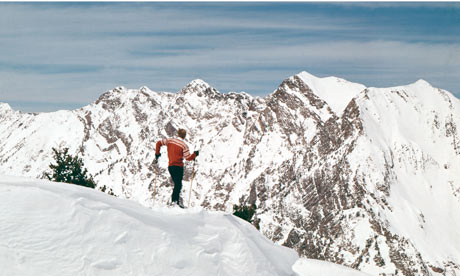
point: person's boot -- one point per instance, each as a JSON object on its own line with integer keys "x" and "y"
{"x": 177, "y": 203}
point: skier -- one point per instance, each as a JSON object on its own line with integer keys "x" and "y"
{"x": 177, "y": 151}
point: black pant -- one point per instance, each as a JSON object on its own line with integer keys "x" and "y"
{"x": 177, "y": 174}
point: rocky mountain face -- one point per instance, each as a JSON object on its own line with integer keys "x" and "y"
{"x": 364, "y": 177}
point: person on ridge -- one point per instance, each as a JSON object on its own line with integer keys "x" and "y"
{"x": 177, "y": 151}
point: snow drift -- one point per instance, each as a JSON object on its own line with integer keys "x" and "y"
{"x": 51, "y": 228}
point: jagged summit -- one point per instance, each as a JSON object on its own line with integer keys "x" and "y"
{"x": 145, "y": 89}
{"x": 296, "y": 94}
{"x": 5, "y": 107}
{"x": 200, "y": 88}
{"x": 199, "y": 82}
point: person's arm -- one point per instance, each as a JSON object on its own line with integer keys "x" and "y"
{"x": 159, "y": 144}
{"x": 188, "y": 156}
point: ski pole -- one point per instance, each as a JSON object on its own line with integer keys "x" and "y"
{"x": 155, "y": 178}
{"x": 191, "y": 182}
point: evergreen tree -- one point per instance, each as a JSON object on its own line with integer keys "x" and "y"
{"x": 69, "y": 169}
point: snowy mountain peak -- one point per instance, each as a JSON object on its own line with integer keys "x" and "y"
{"x": 199, "y": 82}
{"x": 200, "y": 88}
{"x": 119, "y": 89}
{"x": 145, "y": 89}
{"x": 421, "y": 84}
{"x": 336, "y": 92}
{"x": 310, "y": 79}
{"x": 307, "y": 76}
{"x": 5, "y": 107}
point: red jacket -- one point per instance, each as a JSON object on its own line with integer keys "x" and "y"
{"x": 177, "y": 151}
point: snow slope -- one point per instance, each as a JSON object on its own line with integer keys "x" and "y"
{"x": 51, "y": 228}
{"x": 419, "y": 150}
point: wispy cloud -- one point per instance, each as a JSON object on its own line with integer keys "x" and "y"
{"x": 72, "y": 52}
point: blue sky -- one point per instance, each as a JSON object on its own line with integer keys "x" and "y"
{"x": 65, "y": 55}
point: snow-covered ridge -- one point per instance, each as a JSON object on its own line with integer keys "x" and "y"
{"x": 60, "y": 229}
{"x": 336, "y": 92}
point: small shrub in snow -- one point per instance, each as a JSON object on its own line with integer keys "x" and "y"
{"x": 69, "y": 169}
{"x": 246, "y": 213}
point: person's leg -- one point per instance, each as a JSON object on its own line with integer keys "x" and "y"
{"x": 177, "y": 174}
